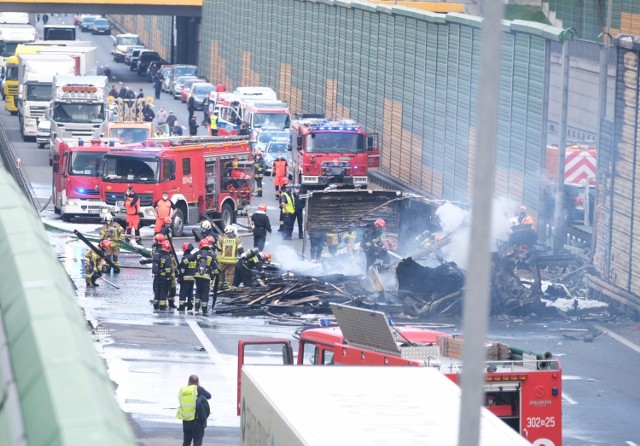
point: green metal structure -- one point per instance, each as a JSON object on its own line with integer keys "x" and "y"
{"x": 55, "y": 389}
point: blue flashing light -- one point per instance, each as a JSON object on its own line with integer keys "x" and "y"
{"x": 112, "y": 143}
{"x": 82, "y": 190}
{"x": 390, "y": 322}
{"x": 325, "y": 323}
{"x": 80, "y": 142}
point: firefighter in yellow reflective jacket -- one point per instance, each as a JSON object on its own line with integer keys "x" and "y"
{"x": 94, "y": 264}
{"x": 230, "y": 248}
{"x": 288, "y": 210}
{"x": 114, "y": 232}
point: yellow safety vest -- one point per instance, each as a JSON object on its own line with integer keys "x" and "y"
{"x": 228, "y": 250}
{"x": 214, "y": 122}
{"x": 187, "y": 397}
{"x": 289, "y": 206}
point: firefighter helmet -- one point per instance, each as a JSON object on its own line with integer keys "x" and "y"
{"x": 105, "y": 244}
{"x": 230, "y": 229}
{"x": 206, "y": 224}
{"x": 380, "y": 223}
{"x": 210, "y": 239}
{"x": 204, "y": 243}
{"x": 258, "y": 153}
{"x": 108, "y": 217}
{"x": 167, "y": 220}
{"x": 266, "y": 257}
{"x": 166, "y": 246}
{"x": 186, "y": 246}
{"x": 159, "y": 238}
{"x": 262, "y": 207}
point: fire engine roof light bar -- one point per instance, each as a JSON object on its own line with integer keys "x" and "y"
{"x": 476, "y": 307}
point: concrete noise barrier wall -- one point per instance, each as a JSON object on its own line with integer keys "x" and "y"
{"x": 55, "y": 388}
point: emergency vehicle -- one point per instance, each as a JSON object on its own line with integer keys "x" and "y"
{"x": 329, "y": 152}
{"x": 126, "y": 122}
{"x": 521, "y": 388}
{"x": 203, "y": 176}
{"x": 76, "y": 178}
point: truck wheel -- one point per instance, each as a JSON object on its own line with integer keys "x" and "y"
{"x": 177, "y": 227}
{"x": 227, "y": 215}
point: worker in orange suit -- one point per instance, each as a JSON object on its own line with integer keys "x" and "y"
{"x": 279, "y": 172}
{"x": 132, "y": 206}
{"x": 523, "y": 216}
{"x": 164, "y": 208}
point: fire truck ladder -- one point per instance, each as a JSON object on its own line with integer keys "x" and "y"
{"x": 193, "y": 140}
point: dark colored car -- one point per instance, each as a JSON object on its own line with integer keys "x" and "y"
{"x": 87, "y": 22}
{"x": 145, "y": 58}
{"x": 133, "y": 60}
{"x": 129, "y": 54}
{"x": 101, "y": 26}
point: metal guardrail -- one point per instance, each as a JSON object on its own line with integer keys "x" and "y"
{"x": 12, "y": 164}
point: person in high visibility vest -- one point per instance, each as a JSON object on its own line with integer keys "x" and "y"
{"x": 288, "y": 206}
{"x": 192, "y": 424}
{"x": 164, "y": 208}
{"x": 279, "y": 172}
{"x": 259, "y": 168}
{"x": 213, "y": 123}
{"x": 230, "y": 249}
{"x": 112, "y": 231}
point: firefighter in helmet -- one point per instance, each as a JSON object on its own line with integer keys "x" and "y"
{"x": 230, "y": 249}
{"x": 373, "y": 245}
{"x": 187, "y": 277}
{"x": 205, "y": 270}
{"x": 114, "y": 232}
{"x": 94, "y": 264}
{"x": 258, "y": 172}
{"x": 261, "y": 225}
{"x": 163, "y": 268}
{"x": 523, "y": 216}
{"x": 166, "y": 228}
{"x": 248, "y": 264}
{"x": 206, "y": 230}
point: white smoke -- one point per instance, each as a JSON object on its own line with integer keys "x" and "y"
{"x": 290, "y": 259}
{"x": 455, "y": 220}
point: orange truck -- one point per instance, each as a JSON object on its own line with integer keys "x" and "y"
{"x": 523, "y": 389}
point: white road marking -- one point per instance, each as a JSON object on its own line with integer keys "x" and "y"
{"x": 568, "y": 399}
{"x": 617, "y": 337}
{"x": 631, "y": 443}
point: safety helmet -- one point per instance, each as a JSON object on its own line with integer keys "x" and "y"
{"x": 266, "y": 257}
{"x": 166, "y": 245}
{"x": 380, "y": 223}
{"x": 159, "y": 238}
{"x": 105, "y": 244}
{"x": 229, "y": 229}
{"x": 522, "y": 209}
{"x": 186, "y": 246}
{"x": 206, "y": 224}
{"x": 288, "y": 185}
{"x": 108, "y": 217}
{"x": 285, "y": 181}
{"x": 167, "y": 220}
{"x": 262, "y": 207}
{"x": 258, "y": 153}
{"x": 210, "y": 239}
{"x": 204, "y": 243}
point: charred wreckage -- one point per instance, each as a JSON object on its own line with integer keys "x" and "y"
{"x": 422, "y": 278}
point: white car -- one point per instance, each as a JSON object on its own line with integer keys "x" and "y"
{"x": 265, "y": 136}
{"x": 43, "y": 133}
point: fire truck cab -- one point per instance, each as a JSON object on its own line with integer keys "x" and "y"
{"x": 521, "y": 388}
{"x": 328, "y": 152}
{"x": 76, "y": 179}
{"x": 203, "y": 176}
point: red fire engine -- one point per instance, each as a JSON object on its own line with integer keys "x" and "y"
{"x": 332, "y": 153}
{"x": 76, "y": 180}
{"x": 203, "y": 176}
{"x": 521, "y": 388}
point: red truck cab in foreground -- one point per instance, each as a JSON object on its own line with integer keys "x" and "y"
{"x": 210, "y": 176}
{"x": 76, "y": 180}
{"x": 327, "y": 152}
{"x": 521, "y": 388}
